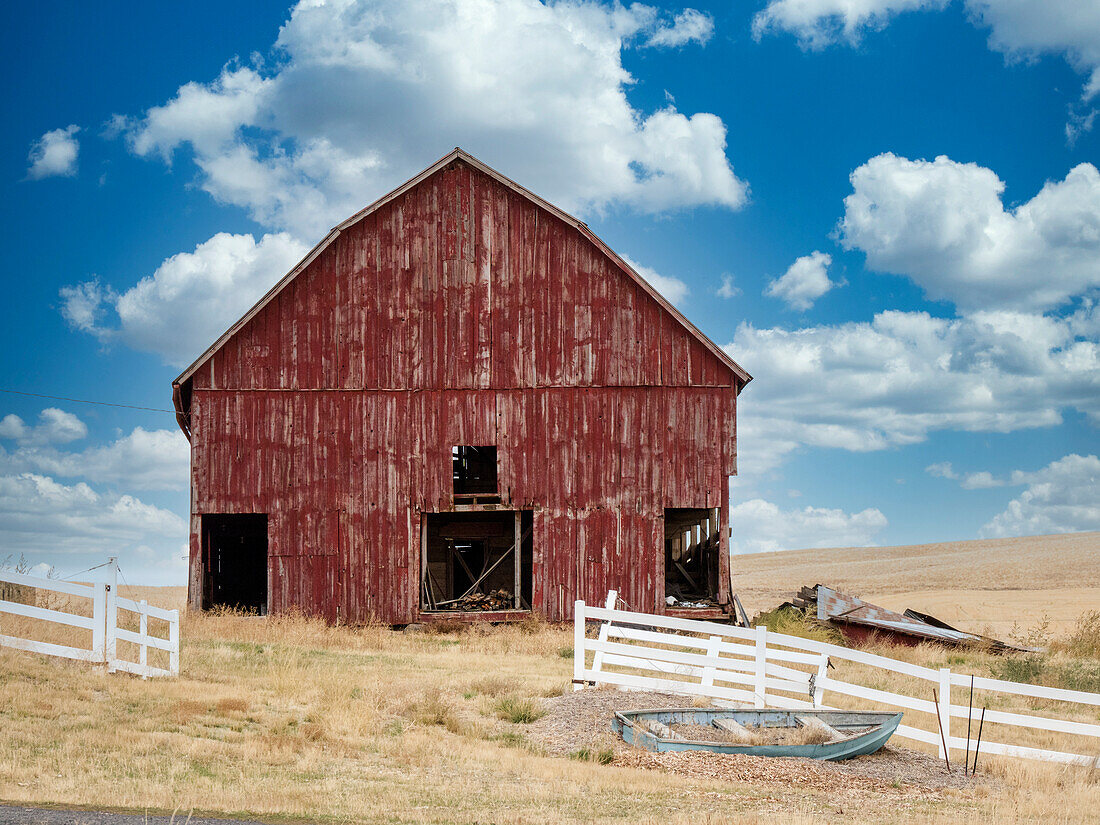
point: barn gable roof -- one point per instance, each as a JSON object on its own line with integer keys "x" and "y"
{"x": 442, "y": 163}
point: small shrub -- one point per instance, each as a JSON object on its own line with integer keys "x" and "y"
{"x": 1057, "y": 672}
{"x": 795, "y": 622}
{"x": 531, "y": 625}
{"x": 603, "y": 756}
{"x": 510, "y": 739}
{"x": 519, "y": 711}
{"x": 565, "y": 653}
{"x": 1084, "y": 641}
{"x": 233, "y": 705}
{"x": 1038, "y": 635}
{"x": 1076, "y": 675}
{"x": 1020, "y": 668}
{"x": 433, "y": 708}
{"x": 494, "y": 686}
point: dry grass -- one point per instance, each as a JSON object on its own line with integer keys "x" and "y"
{"x": 286, "y": 717}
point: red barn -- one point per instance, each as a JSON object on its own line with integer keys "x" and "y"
{"x": 461, "y": 403}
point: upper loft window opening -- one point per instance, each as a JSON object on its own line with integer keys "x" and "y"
{"x": 474, "y": 471}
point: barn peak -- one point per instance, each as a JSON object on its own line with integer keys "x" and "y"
{"x": 459, "y": 155}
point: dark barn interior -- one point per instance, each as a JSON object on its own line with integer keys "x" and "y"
{"x": 235, "y": 547}
{"x": 471, "y": 561}
{"x": 691, "y": 555}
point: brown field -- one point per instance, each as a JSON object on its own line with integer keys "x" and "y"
{"x": 986, "y": 585}
{"x": 289, "y": 720}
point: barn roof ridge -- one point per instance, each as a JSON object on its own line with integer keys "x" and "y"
{"x": 460, "y": 154}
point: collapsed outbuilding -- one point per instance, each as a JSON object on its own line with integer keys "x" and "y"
{"x": 461, "y": 403}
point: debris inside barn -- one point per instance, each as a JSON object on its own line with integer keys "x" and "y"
{"x": 858, "y": 620}
{"x": 496, "y": 600}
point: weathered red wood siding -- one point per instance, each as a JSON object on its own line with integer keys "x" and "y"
{"x": 459, "y": 313}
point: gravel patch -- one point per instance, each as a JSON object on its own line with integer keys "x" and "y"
{"x": 583, "y": 720}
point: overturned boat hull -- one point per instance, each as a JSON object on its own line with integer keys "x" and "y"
{"x": 858, "y": 732}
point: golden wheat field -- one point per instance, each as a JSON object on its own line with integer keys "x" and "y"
{"x": 289, "y": 720}
{"x": 987, "y": 584}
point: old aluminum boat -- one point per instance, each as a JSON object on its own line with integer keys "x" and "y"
{"x": 853, "y": 733}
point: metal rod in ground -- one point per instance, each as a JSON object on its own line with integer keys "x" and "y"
{"x": 939, "y": 721}
{"x": 978, "y": 746}
{"x": 969, "y": 713}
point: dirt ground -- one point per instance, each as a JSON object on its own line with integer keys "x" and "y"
{"x": 582, "y": 720}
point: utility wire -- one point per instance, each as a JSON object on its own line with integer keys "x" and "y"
{"x": 82, "y": 401}
{"x": 119, "y": 568}
{"x": 89, "y": 570}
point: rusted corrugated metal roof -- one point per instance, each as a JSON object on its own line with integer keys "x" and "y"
{"x": 840, "y": 607}
{"x": 834, "y": 606}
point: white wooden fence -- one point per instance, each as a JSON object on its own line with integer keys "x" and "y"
{"x": 103, "y": 624}
{"x": 753, "y": 665}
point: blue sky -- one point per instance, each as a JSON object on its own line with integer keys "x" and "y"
{"x": 891, "y": 217}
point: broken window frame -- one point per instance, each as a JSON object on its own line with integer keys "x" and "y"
{"x": 474, "y": 474}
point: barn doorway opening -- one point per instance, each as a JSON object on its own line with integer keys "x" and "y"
{"x": 691, "y": 557}
{"x": 476, "y": 561}
{"x": 235, "y": 561}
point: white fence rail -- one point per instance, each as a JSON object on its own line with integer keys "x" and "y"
{"x": 754, "y": 665}
{"x": 103, "y": 624}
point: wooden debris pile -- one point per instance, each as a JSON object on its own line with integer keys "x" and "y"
{"x": 495, "y": 600}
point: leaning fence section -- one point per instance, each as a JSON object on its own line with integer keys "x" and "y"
{"x": 57, "y": 608}
{"x": 642, "y": 651}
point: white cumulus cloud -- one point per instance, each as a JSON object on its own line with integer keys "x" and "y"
{"x": 143, "y": 460}
{"x": 54, "y": 427}
{"x": 891, "y": 381}
{"x": 728, "y": 289}
{"x": 1019, "y": 29}
{"x": 40, "y": 516}
{"x": 689, "y": 26}
{"x": 54, "y": 154}
{"x": 675, "y": 290}
{"x": 363, "y": 94}
{"x": 189, "y": 300}
{"x": 821, "y": 23}
{"x": 944, "y": 225}
{"x": 804, "y": 282}
{"x": 1024, "y": 29}
{"x": 1063, "y": 497}
{"x": 760, "y": 526}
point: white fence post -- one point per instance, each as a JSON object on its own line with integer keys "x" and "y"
{"x": 597, "y": 658}
{"x": 819, "y": 681}
{"x": 174, "y": 643}
{"x": 99, "y": 622}
{"x": 760, "y": 688}
{"x": 143, "y": 631}
{"x": 712, "y": 653}
{"x": 578, "y": 645}
{"x": 110, "y": 624}
{"x": 943, "y": 708}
